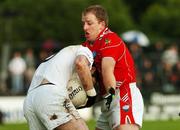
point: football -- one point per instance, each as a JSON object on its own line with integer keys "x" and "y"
{"x": 76, "y": 91}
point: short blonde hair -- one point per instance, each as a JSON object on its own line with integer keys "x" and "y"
{"x": 99, "y": 12}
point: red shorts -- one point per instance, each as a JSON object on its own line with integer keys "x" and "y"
{"x": 126, "y": 108}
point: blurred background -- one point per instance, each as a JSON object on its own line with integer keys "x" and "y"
{"x": 31, "y": 30}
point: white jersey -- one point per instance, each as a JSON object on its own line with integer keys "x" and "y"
{"x": 58, "y": 68}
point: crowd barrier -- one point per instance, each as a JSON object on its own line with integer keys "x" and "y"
{"x": 162, "y": 107}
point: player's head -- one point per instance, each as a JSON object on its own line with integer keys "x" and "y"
{"x": 99, "y": 12}
{"x": 95, "y": 19}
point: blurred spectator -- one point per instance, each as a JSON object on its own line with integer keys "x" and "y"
{"x": 137, "y": 53}
{"x": 148, "y": 80}
{"x": 156, "y": 55}
{"x": 170, "y": 56}
{"x": 43, "y": 54}
{"x": 31, "y": 63}
{"x": 175, "y": 77}
{"x": 50, "y": 46}
{"x": 17, "y": 67}
{"x": 169, "y": 59}
{"x": 159, "y": 47}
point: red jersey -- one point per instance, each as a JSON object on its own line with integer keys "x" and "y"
{"x": 109, "y": 44}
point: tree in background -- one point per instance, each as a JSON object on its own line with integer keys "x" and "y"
{"x": 162, "y": 19}
{"x": 37, "y": 20}
{"x": 137, "y": 8}
{"x": 119, "y": 15}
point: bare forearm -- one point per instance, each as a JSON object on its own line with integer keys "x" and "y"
{"x": 84, "y": 73}
{"x": 109, "y": 80}
{"x": 85, "y": 77}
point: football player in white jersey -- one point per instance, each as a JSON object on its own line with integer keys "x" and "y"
{"x": 47, "y": 105}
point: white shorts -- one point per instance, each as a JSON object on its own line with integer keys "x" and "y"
{"x": 46, "y": 107}
{"x": 126, "y": 108}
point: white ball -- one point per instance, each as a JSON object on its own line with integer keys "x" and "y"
{"x": 76, "y": 91}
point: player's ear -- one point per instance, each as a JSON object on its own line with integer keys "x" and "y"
{"x": 103, "y": 25}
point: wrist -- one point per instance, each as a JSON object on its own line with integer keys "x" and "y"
{"x": 111, "y": 91}
{"x": 91, "y": 92}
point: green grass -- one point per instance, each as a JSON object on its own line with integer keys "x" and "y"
{"x": 161, "y": 125}
{"x": 147, "y": 125}
{"x": 14, "y": 127}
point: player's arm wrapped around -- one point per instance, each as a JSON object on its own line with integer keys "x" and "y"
{"x": 91, "y": 98}
{"x": 79, "y": 97}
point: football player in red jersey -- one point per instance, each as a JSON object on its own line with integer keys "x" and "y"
{"x": 122, "y": 105}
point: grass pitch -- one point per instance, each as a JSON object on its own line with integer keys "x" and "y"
{"x": 147, "y": 125}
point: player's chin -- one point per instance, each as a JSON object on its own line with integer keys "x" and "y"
{"x": 90, "y": 39}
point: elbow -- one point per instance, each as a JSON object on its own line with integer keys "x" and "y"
{"x": 80, "y": 64}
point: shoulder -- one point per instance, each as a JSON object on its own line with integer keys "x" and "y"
{"x": 110, "y": 38}
{"x": 112, "y": 35}
{"x": 85, "y": 51}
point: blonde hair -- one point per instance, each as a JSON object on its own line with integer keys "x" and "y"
{"x": 99, "y": 12}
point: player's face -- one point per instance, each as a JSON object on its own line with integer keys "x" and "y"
{"x": 91, "y": 26}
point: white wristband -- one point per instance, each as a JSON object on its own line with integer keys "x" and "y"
{"x": 91, "y": 92}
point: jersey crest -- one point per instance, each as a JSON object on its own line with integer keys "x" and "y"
{"x": 107, "y": 41}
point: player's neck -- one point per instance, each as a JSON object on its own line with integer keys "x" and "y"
{"x": 91, "y": 42}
